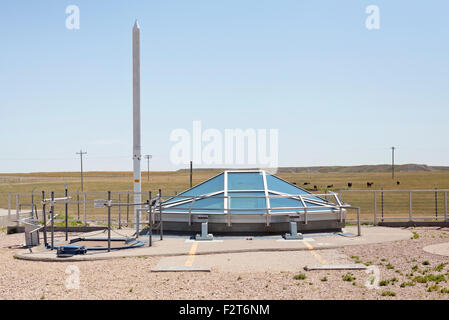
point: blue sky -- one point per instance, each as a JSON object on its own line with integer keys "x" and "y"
{"x": 339, "y": 94}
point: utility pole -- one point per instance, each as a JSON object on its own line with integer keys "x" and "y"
{"x": 81, "y": 158}
{"x": 136, "y": 122}
{"x": 148, "y": 157}
{"x": 392, "y": 162}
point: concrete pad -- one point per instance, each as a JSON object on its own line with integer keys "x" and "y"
{"x": 179, "y": 247}
{"x": 296, "y": 240}
{"x": 202, "y": 241}
{"x": 441, "y": 249}
{"x": 258, "y": 261}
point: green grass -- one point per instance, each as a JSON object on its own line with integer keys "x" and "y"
{"x": 348, "y": 277}
{"x": 388, "y": 293}
{"x": 430, "y": 278}
{"x": 407, "y": 284}
{"x": 299, "y": 276}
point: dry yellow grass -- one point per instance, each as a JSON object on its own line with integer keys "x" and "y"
{"x": 176, "y": 182}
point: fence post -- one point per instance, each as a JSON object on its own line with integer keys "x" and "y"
{"x": 78, "y": 203}
{"x": 436, "y": 204}
{"x": 17, "y": 209}
{"x": 445, "y": 206}
{"x": 359, "y": 231}
{"x": 127, "y": 208}
{"x": 9, "y": 207}
{"x": 382, "y": 203}
{"x": 119, "y": 212}
{"x": 410, "y": 210}
{"x": 84, "y": 209}
{"x": 375, "y": 208}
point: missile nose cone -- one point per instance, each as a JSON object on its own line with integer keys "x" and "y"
{"x": 136, "y": 25}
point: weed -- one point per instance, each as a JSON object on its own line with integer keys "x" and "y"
{"x": 300, "y": 276}
{"x": 440, "y": 267}
{"x": 433, "y": 288}
{"x": 348, "y": 277}
{"x": 407, "y": 284}
{"x": 388, "y": 294}
{"x": 324, "y": 279}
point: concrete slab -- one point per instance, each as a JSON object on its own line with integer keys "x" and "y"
{"x": 177, "y": 246}
{"x": 441, "y": 249}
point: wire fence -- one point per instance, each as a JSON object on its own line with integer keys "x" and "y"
{"x": 375, "y": 206}
{"x": 398, "y": 205}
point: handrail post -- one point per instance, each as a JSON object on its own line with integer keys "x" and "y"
{"x": 66, "y": 207}
{"x": 160, "y": 214}
{"x": 45, "y": 219}
{"x": 150, "y": 224}
{"x": 52, "y": 211}
{"x": 228, "y": 200}
{"x": 109, "y": 221}
{"x": 120, "y": 212}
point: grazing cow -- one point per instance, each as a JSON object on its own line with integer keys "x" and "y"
{"x": 294, "y": 183}
{"x": 349, "y": 184}
{"x": 398, "y": 183}
{"x": 315, "y": 188}
{"x": 330, "y": 186}
{"x": 369, "y": 184}
{"x": 306, "y": 183}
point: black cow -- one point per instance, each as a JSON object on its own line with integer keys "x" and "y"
{"x": 349, "y": 184}
{"x": 369, "y": 184}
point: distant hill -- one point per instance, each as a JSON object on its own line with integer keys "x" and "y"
{"x": 351, "y": 169}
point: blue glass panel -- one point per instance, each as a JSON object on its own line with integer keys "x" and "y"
{"x": 279, "y": 185}
{"x": 247, "y": 203}
{"x": 210, "y": 186}
{"x": 214, "y": 202}
{"x": 245, "y": 181}
{"x": 284, "y": 202}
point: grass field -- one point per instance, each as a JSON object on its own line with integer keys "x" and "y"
{"x": 176, "y": 182}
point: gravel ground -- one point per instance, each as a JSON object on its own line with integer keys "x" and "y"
{"x": 130, "y": 278}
